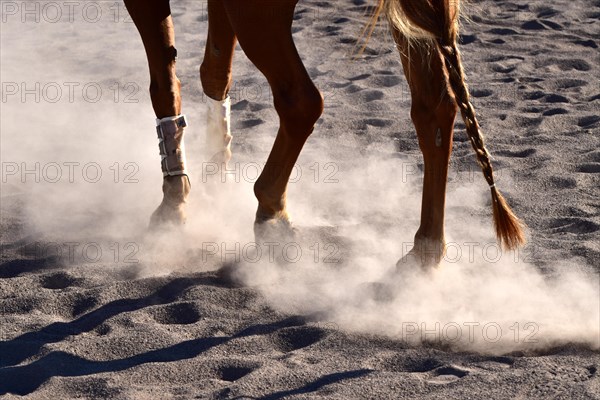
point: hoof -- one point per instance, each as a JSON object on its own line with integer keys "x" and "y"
{"x": 167, "y": 215}
{"x": 412, "y": 265}
{"x": 272, "y": 235}
{"x": 171, "y": 210}
{"x": 426, "y": 255}
{"x": 275, "y": 228}
{"x": 416, "y": 260}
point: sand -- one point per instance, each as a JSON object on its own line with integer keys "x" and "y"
{"x": 92, "y": 305}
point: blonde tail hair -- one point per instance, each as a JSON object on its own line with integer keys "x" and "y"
{"x": 437, "y": 21}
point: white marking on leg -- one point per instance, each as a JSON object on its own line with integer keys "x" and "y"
{"x": 218, "y": 127}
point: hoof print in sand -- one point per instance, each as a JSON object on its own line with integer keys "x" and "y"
{"x": 589, "y": 168}
{"x": 232, "y": 373}
{"x": 290, "y": 339}
{"x": 481, "y": 92}
{"x": 387, "y": 81}
{"x": 426, "y": 365}
{"x": 533, "y": 25}
{"x": 83, "y": 304}
{"x": 573, "y": 225}
{"x": 176, "y": 314}
{"x": 503, "y": 69}
{"x": 57, "y": 281}
{"x": 586, "y": 43}
{"x": 503, "y": 31}
{"x": 250, "y": 123}
{"x": 467, "y": 39}
{"x": 516, "y": 154}
{"x": 561, "y": 182}
{"x": 447, "y": 374}
{"x": 412, "y": 362}
{"x": 588, "y": 121}
{"x": 554, "y": 111}
{"x": 496, "y": 363}
{"x": 546, "y": 12}
{"x": 347, "y": 40}
{"x": 573, "y": 64}
{"x": 556, "y": 98}
{"x": 371, "y": 95}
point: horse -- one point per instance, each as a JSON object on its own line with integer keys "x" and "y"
{"x": 426, "y": 35}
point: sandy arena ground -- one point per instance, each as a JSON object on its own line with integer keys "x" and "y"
{"x": 92, "y": 305}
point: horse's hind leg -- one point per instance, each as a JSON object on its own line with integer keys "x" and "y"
{"x": 433, "y": 111}
{"x": 215, "y": 75}
{"x": 263, "y": 28}
{"x": 154, "y": 23}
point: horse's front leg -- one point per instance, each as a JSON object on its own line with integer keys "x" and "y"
{"x": 433, "y": 112}
{"x": 155, "y": 26}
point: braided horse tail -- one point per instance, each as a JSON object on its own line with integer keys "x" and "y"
{"x": 437, "y": 21}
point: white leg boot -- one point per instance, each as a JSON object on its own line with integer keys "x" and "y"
{"x": 176, "y": 184}
{"x": 218, "y": 130}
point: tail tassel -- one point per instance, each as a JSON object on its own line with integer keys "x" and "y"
{"x": 509, "y": 229}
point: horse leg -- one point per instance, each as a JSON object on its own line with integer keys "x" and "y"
{"x": 215, "y": 75}
{"x": 433, "y": 112}
{"x": 263, "y": 28}
{"x": 154, "y": 23}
